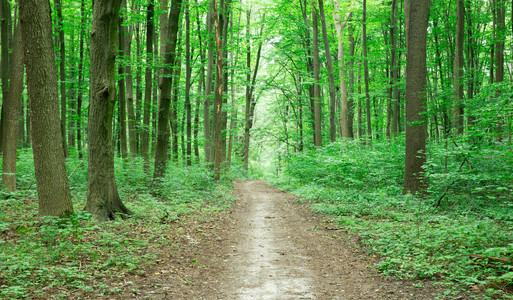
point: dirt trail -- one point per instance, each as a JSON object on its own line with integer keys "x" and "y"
{"x": 268, "y": 247}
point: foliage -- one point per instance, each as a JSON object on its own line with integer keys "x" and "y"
{"x": 361, "y": 187}
{"x": 66, "y": 257}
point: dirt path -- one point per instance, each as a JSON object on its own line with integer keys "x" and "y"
{"x": 268, "y": 247}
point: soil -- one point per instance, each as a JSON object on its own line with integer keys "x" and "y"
{"x": 267, "y": 246}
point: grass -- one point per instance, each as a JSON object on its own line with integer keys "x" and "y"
{"x": 60, "y": 258}
{"x": 361, "y": 188}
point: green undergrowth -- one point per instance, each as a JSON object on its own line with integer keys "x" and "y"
{"x": 361, "y": 187}
{"x": 61, "y": 258}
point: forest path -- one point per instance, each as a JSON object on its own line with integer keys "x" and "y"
{"x": 269, "y": 246}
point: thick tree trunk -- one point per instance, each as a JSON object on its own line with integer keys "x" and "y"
{"x": 329, "y": 65}
{"x": 10, "y": 123}
{"x": 165, "y": 92}
{"x": 62, "y": 74}
{"x": 316, "y": 71}
{"x": 145, "y": 136}
{"x": 457, "y": 109}
{"x": 52, "y": 181}
{"x": 417, "y": 13}
{"x": 102, "y": 196}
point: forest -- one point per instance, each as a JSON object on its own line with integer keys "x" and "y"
{"x": 127, "y": 127}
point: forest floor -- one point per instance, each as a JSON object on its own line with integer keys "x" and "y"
{"x": 267, "y": 246}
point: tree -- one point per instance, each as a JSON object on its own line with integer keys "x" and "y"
{"x": 52, "y": 181}
{"x": 457, "y": 110}
{"x": 329, "y": 65}
{"x": 103, "y": 200}
{"x": 366, "y": 69}
{"x": 316, "y": 71}
{"x": 122, "y": 94}
{"x": 188, "y": 71}
{"x": 218, "y": 105}
{"x": 417, "y": 13}
{"x": 165, "y": 91}
{"x": 10, "y": 121}
{"x": 62, "y": 74}
{"x": 345, "y": 108}
{"x": 145, "y": 136}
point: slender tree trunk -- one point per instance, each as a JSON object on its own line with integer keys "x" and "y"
{"x": 145, "y": 136}
{"x": 417, "y": 14}
{"x": 165, "y": 91}
{"x": 173, "y": 121}
{"x": 218, "y": 96}
{"x": 121, "y": 92}
{"x": 80, "y": 80}
{"x": 316, "y": 71}
{"x": 5, "y": 13}
{"x": 52, "y": 181}
{"x": 247, "y": 117}
{"x": 103, "y": 200}
{"x": 62, "y": 73}
{"x": 394, "y": 66}
{"x": 188, "y": 70}
{"x": 344, "y": 109}
{"x": 457, "y": 109}
{"x": 329, "y": 64}
{"x": 10, "y": 121}
{"x": 366, "y": 70}
{"x": 352, "y": 46}
{"x": 209, "y": 149}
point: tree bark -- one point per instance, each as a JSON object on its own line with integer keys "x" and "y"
{"x": 417, "y": 14}
{"x": 329, "y": 65}
{"x": 133, "y": 144}
{"x": 103, "y": 200}
{"x": 145, "y": 136}
{"x": 80, "y": 80}
{"x": 121, "y": 92}
{"x": 5, "y": 13}
{"x": 394, "y": 66}
{"x": 62, "y": 74}
{"x": 208, "y": 90}
{"x": 316, "y": 71}
{"x": 457, "y": 109}
{"x": 218, "y": 96}
{"x": 10, "y": 123}
{"x": 366, "y": 70}
{"x": 50, "y": 170}
{"x": 344, "y": 109}
{"x": 188, "y": 71}
{"x": 165, "y": 91}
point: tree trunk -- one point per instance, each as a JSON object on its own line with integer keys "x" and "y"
{"x": 417, "y": 13}
{"x": 5, "y": 12}
{"x": 102, "y": 195}
{"x": 344, "y": 109}
{"x": 173, "y": 121}
{"x": 133, "y": 144}
{"x": 165, "y": 91}
{"x": 122, "y": 95}
{"x": 352, "y": 46}
{"x": 218, "y": 96}
{"x": 394, "y": 68}
{"x": 80, "y": 80}
{"x": 50, "y": 170}
{"x": 10, "y": 123}
{"x": 145, "y": 136}
{"x": 188, "y": 71}
{"x": 62, "y": 73}
{"x": 208, "y": 90}
{"x": 457, "y": 109}
{"x": 329, "y": 65}
{"x": 316, "y": 71}
{"x": 366, "y": 70}
{"x": 247, "y": 118}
